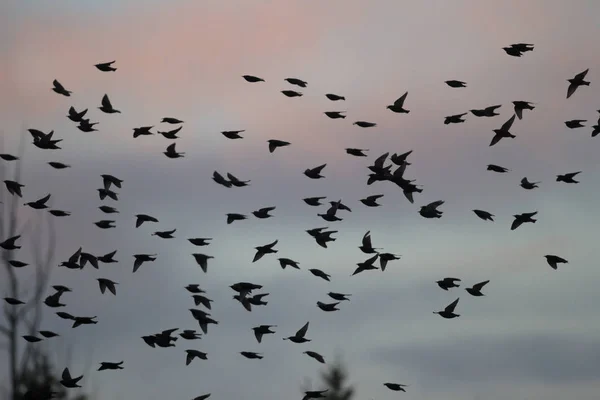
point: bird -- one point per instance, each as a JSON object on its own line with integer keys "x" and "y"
{"x": 596, "y": 129}
{"x": 313, "y": 201}
{"x": 286, "y": 262}
{"x": 497, "y": 168}
{"x": 503, "y": 132}
{"x": 314, "y": 394}
{"x": 199, "y": 299}
{"x": 107, "y": 284}
{"x": 448, "y": 312}
{"x": 8, "y": 157}
{"x": 356, "y": 152}
{"x": 200, "y": 241}
{"x": 525, "y": 184}
{"x": 475, "y": 290}
{"x": 366, "y": 246}
{"x": 334, "y": 97}
{"x": 202, "y": 260}
{"x": 456, "y": 84}
{"x": 484, "y": 215}
{"x": 274, "y": 144}
{"x": 266, "y": 249}
{"x": 236, "y": 182}
{"x": 384, "y": 258}
{"x": 520, "y": 105}
{"x": 328, "y": 306}
{"x": 39, "y": 204}
{"x": 58, "y": 88}
{"x": 251, "y": 355}
{"x": 110, "y": 180}
{"x": 396, "y": 387}
{"x": 297, "y": 82}
{"x": 58, "y": 165}
{"x": 142, "y": 218}
{"x": 568, "y": 178}
{"x": 371, "y": 201}
{"x": 365, "y": 124}
{"x": 192, "y": 354}
{"x": 106, "y": 66}
{"x": 454, "y": 119}
{"x": 76, "y": 116}
{"x": 13, "y": 302}
{"x": 291, "y": 93}
{"x": 553, "y": 260}
{"x": 315, "y": 355}
{"x": 486, "y": 112}
{"x": 107, "y": 106}
{"x": 10, "y": 243}
{"x": 190, "y": 334}
{"x": 14, "y": 187}
{"x": 335, "y": 114}
{"x": 576, "y": 81}
{"x": 68, "y": 381}
{"x": 263, "y": 213}
{"x": 252, "y": 79}
{"x": 315, "y": 173}
{"x": 110, "y": 365}
{"x": 339, "y": 296}
{"x": 318, "y": 273}
{"x": 171, "y": 120}
{"x": 575, "y": 123}
{"x": 233, "y": 134}
{"x": 398, "y": 106}
{"x": 516, "y": 50}
{"x": 171, "y": 152}
{"x": 430, "y": 210}
{"x": 261, "y": 330}
{"x": 448, "y": 283}
{"x": 105, "y": 224}
{"x": 31, "y": 338}
{"x": 142, "y": 131}
{"x": 172, "y": 134}
{"x": 523, "y": 218}
{"x": 231, "y": 217}
{"x": 142, "y": 258}
{"x": 299, "y": 336}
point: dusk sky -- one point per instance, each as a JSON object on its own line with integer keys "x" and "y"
{"x": 534, "y": 335}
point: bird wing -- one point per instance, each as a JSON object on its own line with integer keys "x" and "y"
{"x": 519, "y": 112}
{"x": 366, "y": 240}
{"x": 106, "y": 102}
{"x": 480, "y": 285}
{"x": 171, "y": 149}
{"x": 572, "y": 174}
{"x": 452, "y": 306}
{"x": 572, "y": 88}
{"x": 516, "y": 223}
{"x": 380, "y": 160}
{"x": 60, "y": 87}
{"x": 66, "y": 375}
{"x": 581, "y": 75}
{"x": 302, "y": 331}
{"x": 506, "y": 126}
{"x": 400, "y": 101}
{"x": 497, "y": 137}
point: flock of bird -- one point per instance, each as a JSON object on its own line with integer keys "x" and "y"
{"x": 244, "y": 292}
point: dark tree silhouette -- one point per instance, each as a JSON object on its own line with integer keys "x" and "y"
{"x": 334, "y": 379}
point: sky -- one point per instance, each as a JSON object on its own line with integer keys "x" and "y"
{"x": 535, "y": 333}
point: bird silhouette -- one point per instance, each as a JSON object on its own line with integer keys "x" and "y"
{"x": 576, "y": 81}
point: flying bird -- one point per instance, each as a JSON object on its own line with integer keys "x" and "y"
{"x": 335, "y": 114}
{"x": 454, "y": 119}
{"x": 448, "y": 283}
{"x": 365, "y": 124}
{"x": 553, "y": 260}
{"x": 58, "y": 88}
{"x": 486, "y": 112}
{"x": 523, "y": 218}
{"x": 398, "y": 106}
{"x": 575, "y": 123}
{"x": 315, "y": 173}
{"x": 503, "y": 132}
{"x": 576, "y": 81}
{"x": 522, "y": 105}
{"x": 475, "y": 290}
{"x": 274, "y": 144}
{"x": 525, "y": 184}
{"x": 106, "y": 67}
{"x": 568, "y": 178}
{"x": 297, "y": 82}
{"x": 448, "y": 312}
{"x": 456, "y": 84}
{"x": 266, "y": 249}
{"x": 334, "y": 97}
{"x": 291, "y": 93}
{"x": 107, "y": 106}
{"x": 252, "y": 79}
{"x": 484, "y": 215}
{"x": 299, "y": 336}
